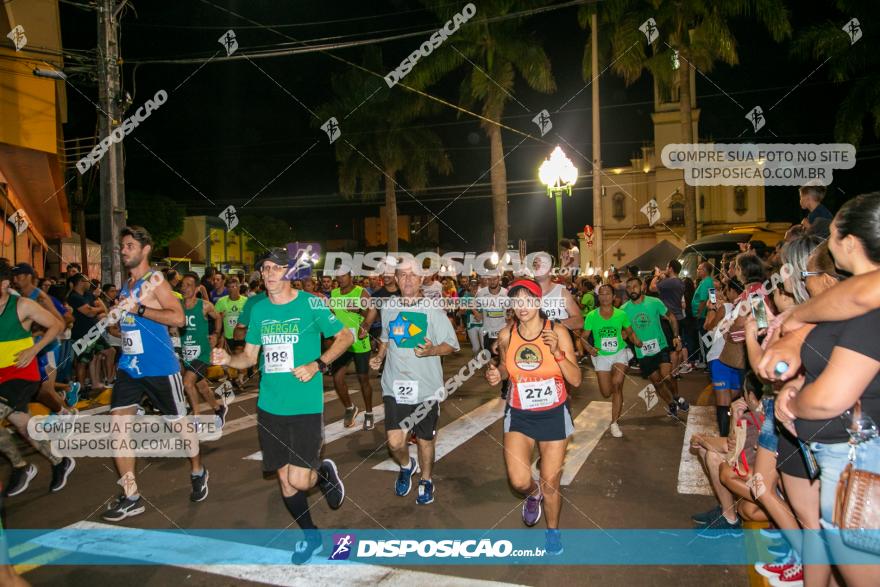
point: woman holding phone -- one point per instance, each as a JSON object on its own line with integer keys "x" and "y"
{"x": 538, "y": 357}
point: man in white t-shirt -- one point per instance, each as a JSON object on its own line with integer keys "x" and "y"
{"x": 492, "y": 303}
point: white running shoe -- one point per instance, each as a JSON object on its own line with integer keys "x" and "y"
{"x": 616, "y": 432}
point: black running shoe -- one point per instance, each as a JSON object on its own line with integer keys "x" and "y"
{"x": 331, "y": 484}
{"x": 122, "y": 508}
{"x": 20, "y": 479}
{"x": 60, "y": 473}
{"x": 200, "y": 486}
{"x": 307, "y": 548}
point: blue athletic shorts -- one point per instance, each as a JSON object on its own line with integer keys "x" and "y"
{"x": 724, "y": 376}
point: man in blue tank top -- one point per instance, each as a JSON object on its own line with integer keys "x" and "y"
{"x": 149, "y": 364}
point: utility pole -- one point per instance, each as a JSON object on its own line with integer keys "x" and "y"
{"x": 112, "y": 181}
{"x": 598, "y": 240}
{"x": 80, "y": 205}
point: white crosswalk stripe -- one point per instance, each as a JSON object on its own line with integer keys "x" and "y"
{"x": 691, "y": 477}
{"x": 458, "y": 432}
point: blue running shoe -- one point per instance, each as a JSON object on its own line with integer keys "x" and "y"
{"x": 404, "y": 479}
{"x": 553, "y": 542}
{"x": 720, "y": 528}
{"x": 72, "y": 396}
{"x": 707, "y": 517}
{"x": 426, "y": 493}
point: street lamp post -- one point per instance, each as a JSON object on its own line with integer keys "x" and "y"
{"x": 558, "y": 173}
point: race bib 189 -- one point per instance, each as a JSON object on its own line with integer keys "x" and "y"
{"x": 132, "y": 343}
{"x": 535, "y": 395}
{"x": 278, "y": 358}
{"x": 609, "y": 345}
{"x": 406, "y": 391}
{"x": 650, "y": 347}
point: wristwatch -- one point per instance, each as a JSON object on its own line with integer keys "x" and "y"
{"x": 322, "y": 366}
{"x": 141, "y": 309}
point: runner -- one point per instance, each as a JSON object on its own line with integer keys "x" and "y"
{"x": 610, "y": 356}
{"x": 241, "y": 328}
{"x": 290, "y": 407}
{"x": 356, "y": 320}
{"x": 645, "y": 314}
{"x": 48, "y": 359}
{"x": 413, "y": 340}
{"x": 196, "y": 349}
{"x": 20, "y": 382}
{"x": 492, "y": 302}
{"x": 149, "y": 366}
{"x": 230, "y": 308}
{"x": 556, "y": 301}
{"x": 539, "y": 359}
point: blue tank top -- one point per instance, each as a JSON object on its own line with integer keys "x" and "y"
{"x": 35, "y": 295}
{"x": 146, "y": 345}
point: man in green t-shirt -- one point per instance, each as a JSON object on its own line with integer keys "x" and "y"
{"x": 287, "y": 328}
{"x": 645, "y": 315}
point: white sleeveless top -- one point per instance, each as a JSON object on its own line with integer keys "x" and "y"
{"x": 553, "y": 304}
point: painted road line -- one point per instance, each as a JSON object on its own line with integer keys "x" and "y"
{"x": 45, "y": 558}
{"x": 589, "y": 427}
{"x": 271, "y": 565}
{"x": 692, "y": 478}
{"x": 457, "y": 433}
{"x": 335, "y": 431}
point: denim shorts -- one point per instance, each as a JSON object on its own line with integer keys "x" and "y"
{"x": 832, "y": 459}
{"x": 768, "y": 438}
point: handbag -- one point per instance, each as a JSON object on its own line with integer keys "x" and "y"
{"x": 855, "y": 505}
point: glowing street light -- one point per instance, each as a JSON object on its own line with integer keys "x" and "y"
{"x": 558, "y": 173}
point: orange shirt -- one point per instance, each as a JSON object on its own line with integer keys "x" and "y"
{"x": 536, "y": 377}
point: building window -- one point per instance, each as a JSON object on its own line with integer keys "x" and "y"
{"x": 740, "y": 200}
{"x": 618, "y": 210}
{"x": 676, "y": 208}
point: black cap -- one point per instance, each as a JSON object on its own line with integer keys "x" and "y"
{"x": 23, "y": 269}
{"x": 277, "y": 256}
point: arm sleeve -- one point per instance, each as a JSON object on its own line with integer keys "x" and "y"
{"x": 253, "y": 335}
{"x": 326, "y": 320}
{"x": 443, "y": 330}
{"x": 860, "y": 335}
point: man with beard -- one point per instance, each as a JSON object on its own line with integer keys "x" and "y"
{"x": 148, "y": 366}
{"x": 645, "y": 315}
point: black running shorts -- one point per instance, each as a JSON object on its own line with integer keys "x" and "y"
{"x": 650, "y": 364}
{"x": 18, "y": 393}
{"x": 395, "y": 413}
{"x": 165, "y": 393}
{"x": 290, "y": 440}
{"x": 361, "y": 362}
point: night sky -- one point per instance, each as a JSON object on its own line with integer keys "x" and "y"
{"x": 229, "y": 129}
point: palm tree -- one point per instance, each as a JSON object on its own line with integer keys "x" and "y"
{"x": 697, "y": 30}
{"x": 857, "y": 62}
{"x": 491, "y": 54}
{"x": 381, "y": 141}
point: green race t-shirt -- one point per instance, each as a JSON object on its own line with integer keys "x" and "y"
{"x": 700, "y": 296}
{"x": 230, "y": 310}
{"x": 349, "y": 319}
{"x": 588, "y": 303}
{"x": 245, "y": 317}
{"x": 646, "y": 322}
{"x": 290, "y": 336}
{"x": 607, "y": 331}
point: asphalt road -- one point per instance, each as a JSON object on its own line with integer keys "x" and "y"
{"x": 629, "y": 482}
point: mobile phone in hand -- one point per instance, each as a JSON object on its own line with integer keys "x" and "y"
{"x": 712, "y": 297}
{"x": 759, "y": 310}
